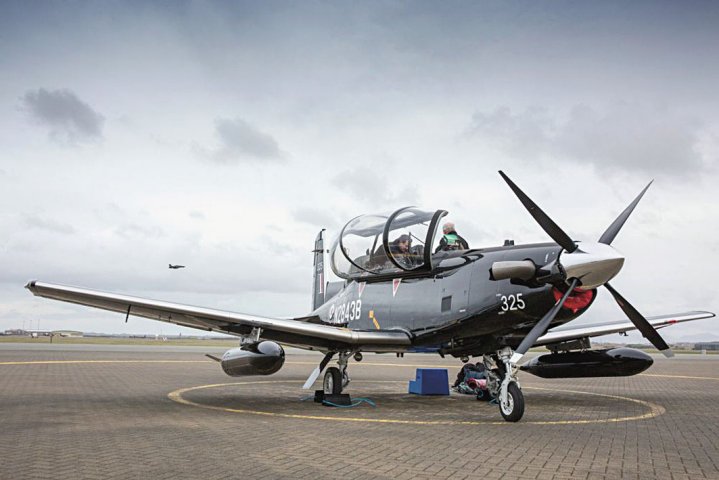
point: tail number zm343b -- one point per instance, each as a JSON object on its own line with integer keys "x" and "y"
{"x": 345, "y": 312}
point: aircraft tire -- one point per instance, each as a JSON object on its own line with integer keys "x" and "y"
{"x": 332, "y": 383}
{"x": 515, "y": 408}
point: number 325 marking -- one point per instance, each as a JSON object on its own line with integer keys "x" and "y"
{"x": 512, "y": 302}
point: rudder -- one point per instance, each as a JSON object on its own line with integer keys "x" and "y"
{"x": 318, "y": 286}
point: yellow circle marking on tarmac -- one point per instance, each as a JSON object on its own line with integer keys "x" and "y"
{"x": 176, "y": 396}
{"x": 654, "y": 410}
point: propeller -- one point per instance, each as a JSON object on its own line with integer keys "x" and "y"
{"x": 542, "y": 218}
{"x": 587, "y": 269}
{"x": 611, "y": 232}
{"x": 642, "y": 324}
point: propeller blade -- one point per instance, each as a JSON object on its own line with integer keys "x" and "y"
{"x": 540, "y": 328}
{"x": 542, "y": 218}
{"x": 316, "y": 372}
{"x": 611, "y": 232}
{"x": 641, "y": 323}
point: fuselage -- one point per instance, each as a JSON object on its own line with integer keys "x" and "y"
{"x": 457, "y": 306}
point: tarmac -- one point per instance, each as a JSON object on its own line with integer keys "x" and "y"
{"x": 98, "y": 412}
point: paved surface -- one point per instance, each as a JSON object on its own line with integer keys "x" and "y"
{"x": 102, "y": 414}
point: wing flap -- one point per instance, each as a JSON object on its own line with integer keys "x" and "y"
{"x": 217, "y": 320}
{"x": 562, "y": 334}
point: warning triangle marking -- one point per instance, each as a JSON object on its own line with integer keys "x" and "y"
{"x": 395, "y": 285}
{"x": 360, "y": 289}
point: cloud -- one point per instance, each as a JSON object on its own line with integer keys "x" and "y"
{"x": 132, "y": 230}
{"x": 370, "y": 186}
{"x": 68, "y": 117}
{"x": 314, "y": 216}
{"x": 197, "y": 215}
{"x": 32, "y": 221}
{"x": 625, "y": 136}
{"x": 241, "y": 142}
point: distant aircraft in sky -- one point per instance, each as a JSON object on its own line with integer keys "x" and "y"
{"x": 175, "y": 267}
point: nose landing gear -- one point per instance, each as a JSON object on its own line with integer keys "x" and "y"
{"x": 504, "y": 386}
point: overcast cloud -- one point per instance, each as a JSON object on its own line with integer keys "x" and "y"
{"x": 33, "y": 221}
{"x": 241, "y": 142}
{"x": 68, "y": 118}
{"x": 223, "y": 136}
{"x": 622, "y": 137}
{"x": 318, "y": 217}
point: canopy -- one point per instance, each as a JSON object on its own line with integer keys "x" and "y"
{"x": 377, "y": 244}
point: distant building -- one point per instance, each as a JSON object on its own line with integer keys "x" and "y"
{"x": 17, "y": 332}
{"x": 706, "y": 346}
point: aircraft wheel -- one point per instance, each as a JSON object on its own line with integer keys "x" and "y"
{"x": 332, "y": 383}
{"x": 513, "y": 409}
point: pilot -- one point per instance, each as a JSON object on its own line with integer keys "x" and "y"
{"x": 400, "y": 245}
{"x": 400, "y": 250}
{"x": 451, "y": 239}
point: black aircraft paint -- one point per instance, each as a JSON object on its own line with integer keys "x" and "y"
{"x": 455, "y": 306}
{"x": 617, "y": 362}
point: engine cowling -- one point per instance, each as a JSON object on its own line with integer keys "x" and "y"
{"x": 616, "y": 362}
{"x": 263, "y": 358}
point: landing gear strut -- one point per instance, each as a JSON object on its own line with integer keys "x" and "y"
{"x": 336, "y": 378}
{"x": 504, "y": 386}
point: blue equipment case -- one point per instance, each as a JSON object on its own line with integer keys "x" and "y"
{"x": 430, "y": 381}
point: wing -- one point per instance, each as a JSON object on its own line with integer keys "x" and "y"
{"x": 293, "y": 332}
{"x": 565, "y": 333}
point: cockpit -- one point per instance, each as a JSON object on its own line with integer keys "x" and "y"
{"x": 378, "y": 245}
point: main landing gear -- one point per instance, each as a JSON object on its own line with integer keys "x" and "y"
{"x": 336, "y": 378}
{"x": 501, "y": 380}
{"x": 503, "y": 384}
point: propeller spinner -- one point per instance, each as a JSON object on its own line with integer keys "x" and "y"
{"x": 589, "y": 265}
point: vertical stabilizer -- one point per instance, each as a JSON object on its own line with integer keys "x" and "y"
{"x": 318, "y": 287}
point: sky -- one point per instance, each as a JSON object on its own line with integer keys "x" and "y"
{"x": 224, "y": 135}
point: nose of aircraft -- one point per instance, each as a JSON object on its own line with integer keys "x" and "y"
{"x": 594, "y": 264}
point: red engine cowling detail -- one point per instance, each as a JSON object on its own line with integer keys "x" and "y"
{"x": 577, "y": 300}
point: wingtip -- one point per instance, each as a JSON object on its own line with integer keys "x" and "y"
{"x": 30, "y": 285}
{"x": 668, "y": 353}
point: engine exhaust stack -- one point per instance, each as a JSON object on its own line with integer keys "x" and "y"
{"x": 522, "y": 270}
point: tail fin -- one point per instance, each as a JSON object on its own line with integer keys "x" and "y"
{"x": 318, "y": 287}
